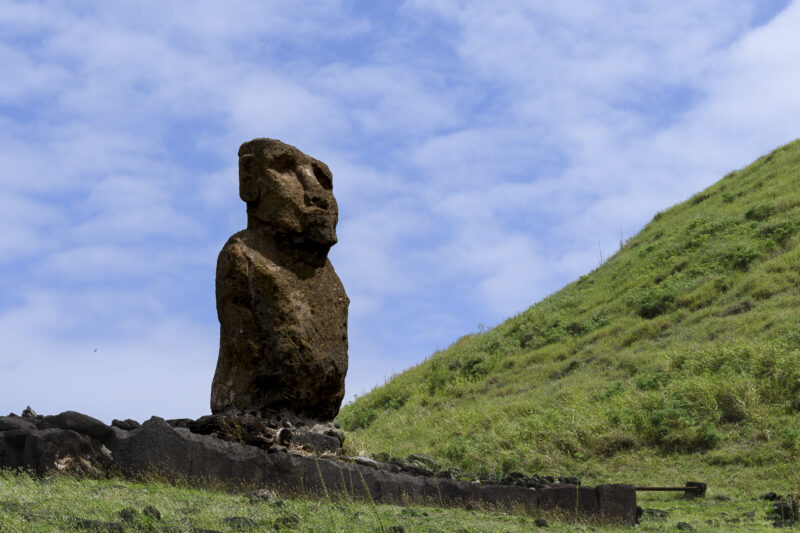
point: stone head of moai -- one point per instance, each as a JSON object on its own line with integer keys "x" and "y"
{"x": 289, "y": 195}
{"x": 282, "y": 308}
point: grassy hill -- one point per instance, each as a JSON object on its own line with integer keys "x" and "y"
{"x": 682, "y": 349}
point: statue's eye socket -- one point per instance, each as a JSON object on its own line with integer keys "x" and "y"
{"x": 323, "y": 178}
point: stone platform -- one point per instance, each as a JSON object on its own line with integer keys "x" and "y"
{"x": 74, "y": 442}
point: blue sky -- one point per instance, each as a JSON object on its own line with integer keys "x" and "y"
{"x": 484, "y": 154}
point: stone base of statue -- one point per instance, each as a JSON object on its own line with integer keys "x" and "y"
{"x": 289, "y": 461}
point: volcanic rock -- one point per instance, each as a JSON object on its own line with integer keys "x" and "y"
{"x": 77, "y": 422}
{"x": 127, "y": 424}
{"x": 282, "y": 308}
{"x": 15, "y": 422}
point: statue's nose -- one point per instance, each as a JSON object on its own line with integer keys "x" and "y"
{"x": 314, "y": 194}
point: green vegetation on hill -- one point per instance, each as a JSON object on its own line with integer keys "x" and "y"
{"x": 683, "y": 347}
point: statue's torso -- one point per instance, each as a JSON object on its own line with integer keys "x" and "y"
{"x": 284, "y": 332}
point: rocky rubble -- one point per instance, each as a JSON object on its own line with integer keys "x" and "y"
{"x": 783, "y": 511}
{"x": 291, "y": 457}
{"x": 277, "y": 434}
{"x": 423, "y": 465}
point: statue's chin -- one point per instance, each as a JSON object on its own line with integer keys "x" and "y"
{"x": 310, "y": 248}
{"x": 321, "y": 235}
{"x": 325, "y": 242}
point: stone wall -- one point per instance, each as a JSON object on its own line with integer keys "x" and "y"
{"x": 74, "y": 442}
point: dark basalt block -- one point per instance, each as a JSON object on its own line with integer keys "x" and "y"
{"x": 316, "y": 441}
{"x": 77, "y": 422}
{"x": 126, "y": 424}
{"x": 43, "y": 450}
{"x": 617, "y": 502}
{"x": 15, "y": 422}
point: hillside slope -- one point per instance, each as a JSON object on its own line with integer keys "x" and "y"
{"x": 684, "y": 343}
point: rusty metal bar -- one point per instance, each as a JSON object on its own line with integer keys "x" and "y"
{"x": 684, "y": 489}
{"x": 693, "y": 489}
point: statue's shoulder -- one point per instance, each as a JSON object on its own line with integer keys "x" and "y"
{"x": 241, "y": 243}
{"x": 244, "y": 248}
{"x": 239, "y": 239}
{"x": 235, "y": 250}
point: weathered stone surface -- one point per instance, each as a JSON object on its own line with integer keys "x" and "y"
{"x": 15, "y": 422}
{"x": 429, "y": 462}
{"x": 316, "y": 442}
{"x": 617, "y": 502}
{"x": 264, "y": 433}
{"x": 77, "y": 422}
{"x": 152, "y": 512}
{"x": 43, "y": 450}
{"x": 260, "y": 495}
{"x": 281, "y": 306}
{"x": 128, "y": 515}
{"x": 180, "y": 422}
{"x": 127, "y": 424}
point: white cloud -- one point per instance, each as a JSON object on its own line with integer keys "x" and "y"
{"x": 482, "y": 153}
{"x": 513, "y": 275}
{"x": 582, "y": 84}
{"x": 134, "y": 208}
{"x": 287, "y": 109}
{"x": 145, "y": 361}
{"x": 381, "y": 98}
{"x": 591, "y": 47}
{"x": 31, "y": 78}
{"x": 166, "y": 372}
{"x": 751, "y": 93}
{"x": 23, "y": 224}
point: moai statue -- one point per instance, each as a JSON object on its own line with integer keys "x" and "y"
{"x": 282, "y": 308}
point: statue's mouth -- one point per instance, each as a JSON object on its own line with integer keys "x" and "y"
{"x": 324, "y": 236}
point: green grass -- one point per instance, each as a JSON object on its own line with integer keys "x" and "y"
{"x": 677, "y": 358}
{"x": 58, "y": 503}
